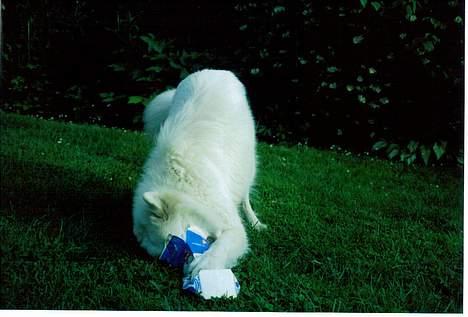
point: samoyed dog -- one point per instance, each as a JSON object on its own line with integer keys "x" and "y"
{"x": 201, "y": 169}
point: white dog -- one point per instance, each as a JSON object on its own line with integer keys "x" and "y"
{"x": 201, "y": 169}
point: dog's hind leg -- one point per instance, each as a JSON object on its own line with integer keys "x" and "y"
{"x": 251, "y": 216}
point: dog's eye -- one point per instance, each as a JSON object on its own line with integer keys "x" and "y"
{"x": 154, "y": 214}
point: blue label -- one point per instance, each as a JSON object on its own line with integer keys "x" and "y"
{"x": 196, "y": 243}
{"x": 176, "y": 252}
{"x": 191, "y": 285}
{"x": 237, "y": 286}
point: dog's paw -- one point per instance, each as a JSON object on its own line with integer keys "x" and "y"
{"x": 206, "y": 261}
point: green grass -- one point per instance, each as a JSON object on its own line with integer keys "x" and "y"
{"x": 346, "y": 233}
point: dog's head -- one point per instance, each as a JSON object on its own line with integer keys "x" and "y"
{"x": 167, "y": 213}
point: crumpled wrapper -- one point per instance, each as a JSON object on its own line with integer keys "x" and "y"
{"x": 180, "y": 251}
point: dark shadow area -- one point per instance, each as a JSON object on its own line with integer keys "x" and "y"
{"x": 90, "y": 211}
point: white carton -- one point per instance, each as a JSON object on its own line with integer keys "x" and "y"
{"x": 218, "y": 283}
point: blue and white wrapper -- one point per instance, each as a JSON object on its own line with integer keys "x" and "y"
{"x": 197, "y": 241}
{"x": 176, "y": 252}
{"x": 191, "y": 285}
{"x": 180, "y": 251}
{"x": 212, "y": 283}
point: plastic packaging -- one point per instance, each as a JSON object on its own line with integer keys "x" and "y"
{"x": 176, "y": 252}
{"x": 212, "y": 283}
{"x": 180, "y": 251}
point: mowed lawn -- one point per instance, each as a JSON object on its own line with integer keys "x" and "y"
{"x": 346, "y": 233}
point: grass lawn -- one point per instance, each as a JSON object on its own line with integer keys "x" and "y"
{"x": 346, "y": 233}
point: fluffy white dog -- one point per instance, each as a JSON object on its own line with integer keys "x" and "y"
{"x": 201, "y": 169}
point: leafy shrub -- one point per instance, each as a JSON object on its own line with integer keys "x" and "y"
{"x": 353, "y": 73}
{"x": 413, "y": 151}
{"x": 25, "y": 90}
{"x": 158, "y": 67}
{"x": 92, "y": 62}
{"x": 345, "y": 74}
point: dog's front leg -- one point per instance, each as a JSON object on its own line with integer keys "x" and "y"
{"x": 224, "y": 253}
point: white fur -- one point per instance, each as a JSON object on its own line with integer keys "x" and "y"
{"x": 156, "y": 112}
{"x": 201, "y": 169}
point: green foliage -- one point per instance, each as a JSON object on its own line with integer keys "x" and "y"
{"x": 74, "y": 93}
{"x": 322, "y": 73}
{"x": 413, "y": 151}
{"x": 25, "y": 89}
{"x": 108, "y": 96}
{"x": 18, "y": 84}
{"x": 439, "y": 149}
{"x": 136, "y": 100}
{"x": 159, "y": 67}
{"x": 355, "y": 67}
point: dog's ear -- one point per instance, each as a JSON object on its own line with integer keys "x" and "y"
{"x": 158, "y": 206}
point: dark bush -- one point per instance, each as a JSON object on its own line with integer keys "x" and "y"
{"x": 355, "y": 74}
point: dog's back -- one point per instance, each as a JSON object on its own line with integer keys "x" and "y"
{"x": 210, "y": 119}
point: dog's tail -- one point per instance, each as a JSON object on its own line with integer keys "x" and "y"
{"x": 156, "y": 112}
